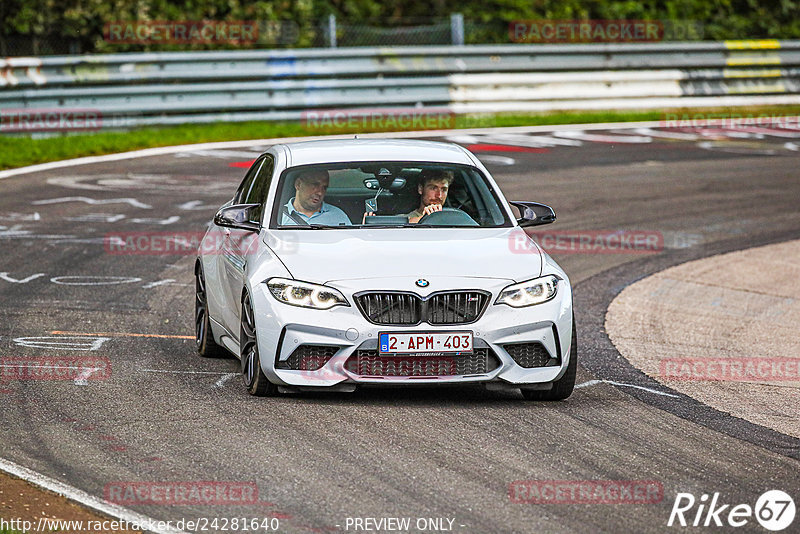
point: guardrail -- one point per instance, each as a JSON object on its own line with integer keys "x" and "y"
{"x": 176, "y": 87}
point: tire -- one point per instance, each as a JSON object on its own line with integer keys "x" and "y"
{"x": 562, "y": 388}
{"x": 254, "y": 379}
{"x": 204, "y": 339}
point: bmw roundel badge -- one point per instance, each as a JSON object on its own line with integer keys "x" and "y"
{"x": 422, "y": 283}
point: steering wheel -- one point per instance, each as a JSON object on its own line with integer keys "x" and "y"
{"x": 448, "y": 217}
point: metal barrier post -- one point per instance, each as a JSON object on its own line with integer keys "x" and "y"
{"x": 332, "y": 31}
{"x": 457, "y": 28}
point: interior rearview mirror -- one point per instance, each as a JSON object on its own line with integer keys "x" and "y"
{"x": 394, "y": 184}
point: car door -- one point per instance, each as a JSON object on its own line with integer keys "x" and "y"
{"x": 238, "y": 245}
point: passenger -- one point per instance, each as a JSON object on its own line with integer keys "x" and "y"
{"x": 309, "y": 204}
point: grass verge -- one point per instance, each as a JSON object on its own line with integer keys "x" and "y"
{"x": 19, "y": 151}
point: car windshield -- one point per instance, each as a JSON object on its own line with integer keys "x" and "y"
{"x": 387, "y": 194}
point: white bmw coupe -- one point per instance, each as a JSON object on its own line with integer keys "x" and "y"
{"x": 347, "y": 263}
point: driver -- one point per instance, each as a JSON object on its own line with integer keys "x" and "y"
{"x": 432, "y": 188}
{"x": 309, "y": 204}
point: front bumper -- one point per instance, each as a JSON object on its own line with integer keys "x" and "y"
{"x": 282, "y": 329}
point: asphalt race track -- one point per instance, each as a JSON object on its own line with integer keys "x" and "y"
{"x": 163, "y": 415}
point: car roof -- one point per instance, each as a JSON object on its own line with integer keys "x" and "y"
{"x": 342, "y": 150}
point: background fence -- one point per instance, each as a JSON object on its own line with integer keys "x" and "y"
{"x": 327, "y": 32}
{"x": 180, "y": 87}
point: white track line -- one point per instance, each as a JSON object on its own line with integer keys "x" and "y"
{"x": 533, "y": 141}
{"x": 221, "y": 382}
{"x": 733, "y": 149}
{"x": 595, "y": 382}
{"x": 225, "y": 154}
{"x": 182, "y": 372}
{"x": 497, "y": 160}
{"x": 161, "y": 151}
{"x": 597, "y": 138}
{"x": 665, "y": 135}
{"x": 145, "y": 524}
{"x": 80, "y": 380}
{"x": 774, "y": 132}
{"x": 132, "y": 201}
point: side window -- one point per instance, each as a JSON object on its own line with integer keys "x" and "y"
{"x": 249, "y": 181}
{"x": 257, "y": 193}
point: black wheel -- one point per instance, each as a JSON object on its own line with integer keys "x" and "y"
{"x": 254, "y": 379}
{"x": 204, "y": 339}
{"x": 562, "y": 388}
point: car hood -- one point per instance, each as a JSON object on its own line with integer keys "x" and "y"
{"x": 358, "y": 254}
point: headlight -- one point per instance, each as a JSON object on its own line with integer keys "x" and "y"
{"x": 529, "y": 293}
{"x": 305, "y": 295}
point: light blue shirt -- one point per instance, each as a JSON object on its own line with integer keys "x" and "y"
{"x": 327, "y": 215}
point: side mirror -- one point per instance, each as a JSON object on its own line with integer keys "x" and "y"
{"x": 534, "y": 213}
{"x": 240, "y": 216}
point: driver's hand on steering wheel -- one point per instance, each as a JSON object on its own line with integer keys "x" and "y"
{"x": 430, "y": 208}
{"x": 427, "y": 210}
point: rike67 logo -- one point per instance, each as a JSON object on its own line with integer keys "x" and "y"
{"x": 774, "y": 510}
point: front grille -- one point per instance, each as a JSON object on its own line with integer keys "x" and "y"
{"x": 529, "y": 355}
{"x": 369, "y": 363}
{"x": 308, "y": 358}
{"x": 456, "y": 307}
{"x": 443, "y": 308}
{"x": 390, "y": 308}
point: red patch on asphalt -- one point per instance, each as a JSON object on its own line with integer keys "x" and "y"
{"x": 483, "y": 147}
{"x": 241, "y": 164}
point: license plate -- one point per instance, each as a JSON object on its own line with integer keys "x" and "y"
{"x": 425, "y": 343}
